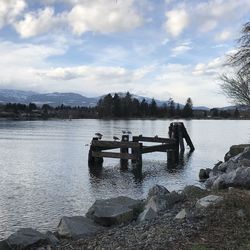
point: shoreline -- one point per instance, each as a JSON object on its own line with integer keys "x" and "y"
{"x": 216, "y": 217}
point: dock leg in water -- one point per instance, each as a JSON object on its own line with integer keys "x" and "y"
{"x": 124, "y": 162}
{"x": 94, "y": 162}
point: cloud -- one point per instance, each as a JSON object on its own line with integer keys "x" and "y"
{"x": 224, "y": 36}
{"x": 37, "y": 23}
{"x": 177, "y": 21}
{"x": 206, "y": 16}
{"x": 212, "y": 68}
{"x": 104, "y": 16}
{"x": 9, "y": 10}
{"x": 181, "y": 49}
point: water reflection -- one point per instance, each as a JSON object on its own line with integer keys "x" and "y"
{"x": 44, "y": 169}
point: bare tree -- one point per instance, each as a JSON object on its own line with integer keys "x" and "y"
{"x": 237, "y": 87}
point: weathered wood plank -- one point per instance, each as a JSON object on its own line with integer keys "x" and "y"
{"x": 187, "y": 138}
{"x": 159, "y": 148}
{"x": 180, "y": 137}
{"x": 113, "y": 155}
{"x": 152, "y": 139}
{"x": 115, "y": 144}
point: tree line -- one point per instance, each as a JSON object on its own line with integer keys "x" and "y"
{"x": 116, "y": 106}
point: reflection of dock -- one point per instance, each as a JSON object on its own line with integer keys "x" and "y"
{"x": 133, "y": 150}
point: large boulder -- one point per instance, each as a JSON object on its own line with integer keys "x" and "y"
{"x": 147, "y": 214}
{"x": 157, "y": 190}
{"x": 236, "y": 178}
{"x": 235, "y": 150}
{"x": 25, "y": 237}
{"x": 4, "y": 245}
{"x": 204, "y": 174}
{"x": 194, "y": 192}
{"x": 76, "y": 227}
{"x": 232, "y": 173}
{"x": 115, "y": 211}
{"x": 208, "y": 201}
{"x": 161, "y": 202}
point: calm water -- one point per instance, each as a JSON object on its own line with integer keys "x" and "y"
{"x": 44, "y": 173}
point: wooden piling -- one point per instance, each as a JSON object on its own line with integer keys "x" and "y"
{"x": 187, "y": 138}
{"x": 124, "y": 162}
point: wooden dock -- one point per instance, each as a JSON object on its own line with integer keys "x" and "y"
{"x": 133, "y": 150}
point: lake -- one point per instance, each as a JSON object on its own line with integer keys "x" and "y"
{"x": 44, "y": 172}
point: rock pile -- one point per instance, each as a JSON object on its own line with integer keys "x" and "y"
{"x": 234, "y": 172}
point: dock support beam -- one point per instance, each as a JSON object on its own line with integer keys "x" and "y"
{"x": 94, "y": 162}
{"x": 124, "y": 162}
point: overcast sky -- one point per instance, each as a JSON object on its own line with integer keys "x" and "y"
{"x": 156, "y": 48}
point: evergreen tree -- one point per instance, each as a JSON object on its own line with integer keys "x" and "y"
{"x": 187, "y": 111}
{"x": 236, "y": 113}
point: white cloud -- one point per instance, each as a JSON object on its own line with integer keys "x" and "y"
{"x": 212, "y": 68}
{"x": 103, "y": 16}
{"x": 37, "y": 23}
{"x": 177, "y": 21}
{"x": 9, "y": 10}
{"x": 224, "y": 36}
{"x": 207, "y": 16}
{"x": 181, "y": 49}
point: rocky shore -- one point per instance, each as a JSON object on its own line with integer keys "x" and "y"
{"x": 217, "y": 217}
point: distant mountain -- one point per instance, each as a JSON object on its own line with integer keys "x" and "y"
{"x": 68, "y": 99}
{"x": 14, "y": 96}
{"x": 53, "y": 99}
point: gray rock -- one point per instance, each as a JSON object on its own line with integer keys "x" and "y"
{"x": 76, "y": 227}
{"x": 237, "y": 178}
{"x": 235, "y": 150}
{"x": 115, "y": 211}
{"x": 241, "y": 213}
{"x": 204, "y": 174}
{"x": 181, "y": 215}
{"x": 192, "y": 191}
{"x": 4, "y": 245}
{"x": 147, "y": 214}
{"x": 157, "y": 190}
{"x": 25, "y": 237}
{"x": 162, "y": 202}
{"x": 52, "y": 238}
{"x": 208, "y": 201}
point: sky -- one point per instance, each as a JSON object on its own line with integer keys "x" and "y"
{"x": 155, "y": 48}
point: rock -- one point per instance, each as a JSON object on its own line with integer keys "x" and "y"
{"x": 52, "y": 238}
{"x": 237, "y": 178}
{"x": 115, "y": 211}
{"x": 157, "y": 190}
{"x": 208, "y": 201}
{"x": 235, "y": 150}
{"x": 192, "y": 191}
{"x": 76, "y": 227}
{"x": 162, "y": 202}
{"x": 147, "y": 214}
{"x": 204, "y": 174}
{"x": 241, "y": 213}
{"x": 181, "y": 215}
{"x": 4, "y": 245}
{"x": 25, "y": 237}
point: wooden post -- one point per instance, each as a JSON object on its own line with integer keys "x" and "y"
{"x": 133, "y": 150}
{"x": 187, "y": 138}
{"x": 124, "y": 162}
{"x": 94, "y": 161}
{"x": 173, "y": 155}
{"x": 180, "y": 136}
{"x": 139, "y": 158}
